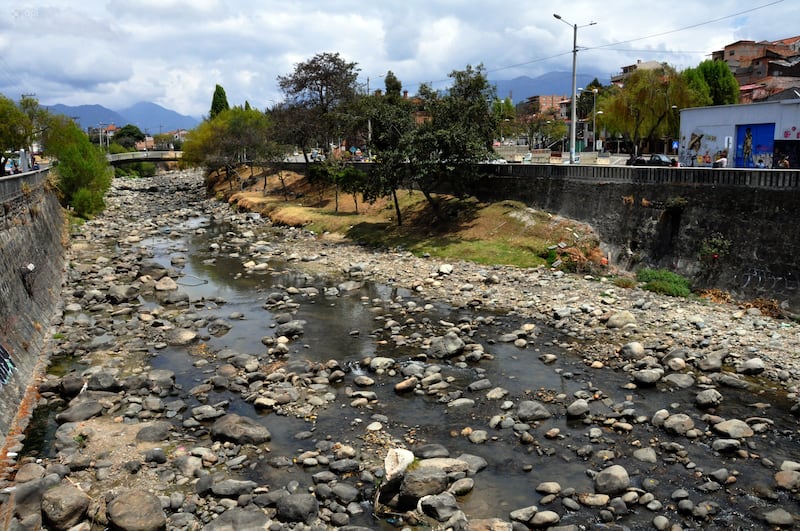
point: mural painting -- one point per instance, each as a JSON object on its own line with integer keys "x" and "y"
{"x": 754, "y": 145}
{"x": 703, "y": 149}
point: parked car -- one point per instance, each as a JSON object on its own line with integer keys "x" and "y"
{"x": 656, "y": 159}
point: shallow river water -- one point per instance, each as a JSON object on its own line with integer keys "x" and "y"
{"x": 349, "y": 326}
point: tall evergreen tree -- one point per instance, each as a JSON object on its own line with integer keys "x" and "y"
{"x": 219, "y": 102}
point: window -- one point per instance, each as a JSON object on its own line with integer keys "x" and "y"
{"x": 732, "y": 52}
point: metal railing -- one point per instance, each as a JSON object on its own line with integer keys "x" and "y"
{"x": 145, "y": 155}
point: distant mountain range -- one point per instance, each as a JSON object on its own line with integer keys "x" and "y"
{"x": 148, "y": 117}
{"x": 153, "y": 119}
{"x": 552, "y": 83}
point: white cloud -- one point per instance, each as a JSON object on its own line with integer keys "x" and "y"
{"x": 173, "y": 52}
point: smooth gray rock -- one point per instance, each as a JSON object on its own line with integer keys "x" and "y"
{"x": 136, "y": 510}
{"x": 612, "y": 480}
{"x": 297, "y": 507}
{"x": 238, "y": 429}
{"x": 439, "y": 506}
{"x": 64, "y": 506}
{"x": 423, "y": 481}
{"x": 532, "y": 410}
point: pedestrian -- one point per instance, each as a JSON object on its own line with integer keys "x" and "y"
{"x": 761, "y": 163}
{"x": 784, "y": 163}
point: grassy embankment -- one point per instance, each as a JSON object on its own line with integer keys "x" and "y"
{"x": 504, "y": 233}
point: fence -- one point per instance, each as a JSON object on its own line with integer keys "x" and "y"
{"x": 13, "y": 186}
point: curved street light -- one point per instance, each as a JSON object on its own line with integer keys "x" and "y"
{"x": 574, "y": 82}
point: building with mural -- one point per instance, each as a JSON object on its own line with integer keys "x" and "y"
{"x": 746, "y": 135}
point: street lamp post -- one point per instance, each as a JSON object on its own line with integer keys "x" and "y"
{"x": 594, "y": 119}
{"x": 574, "y": 82}
{"x": 595, "y": 133}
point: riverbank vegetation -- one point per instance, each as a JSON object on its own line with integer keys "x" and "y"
{"x": 81, "y": 172}
{"x": 507, "y": 232}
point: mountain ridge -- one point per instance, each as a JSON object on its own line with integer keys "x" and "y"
{"x": 555, "y": 83}
{"x": 153, "y": 118}
{"x": 148, "y": 116}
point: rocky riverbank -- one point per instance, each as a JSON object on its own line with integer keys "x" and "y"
{"x": 135, "y": 450}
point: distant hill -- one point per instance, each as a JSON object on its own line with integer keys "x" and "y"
{"x": 154, "y": 118}
{"x": 149, "y": 117}
{"x": 552, "y": 83}
{"x": 89, "y": 115}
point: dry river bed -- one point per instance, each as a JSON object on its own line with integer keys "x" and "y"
{"x": 134, "y": 449}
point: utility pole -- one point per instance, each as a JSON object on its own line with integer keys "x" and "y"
{"x": 574, "y": 83}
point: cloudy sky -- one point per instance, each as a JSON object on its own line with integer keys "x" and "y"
{"x": 173, "y": 52}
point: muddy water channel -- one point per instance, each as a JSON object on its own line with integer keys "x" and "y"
{"x": 548, "y": 439}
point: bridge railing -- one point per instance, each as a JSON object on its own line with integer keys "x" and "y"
{"x": 145, "y": 155}
{"x": 13, "y": 186}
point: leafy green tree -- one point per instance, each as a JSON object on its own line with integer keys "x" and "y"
{"x": 696, "y": 83}
{"x": 316, "y": 93}
{"x": 392, "y": 122}
{"x": 234, "y": 137}
{"x": 219, "y": 102}
{"x": 454, "y": 137}
{"x": 722, "y": 84}
{"x": 127, "y": 136}
{"x": 15, "y": 128}
{"x": 37, "y": 116}
{"x": 645, "y": 109}
{"x": 83, "y": 173}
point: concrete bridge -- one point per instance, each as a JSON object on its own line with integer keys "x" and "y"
{"x": 143, "y": 156}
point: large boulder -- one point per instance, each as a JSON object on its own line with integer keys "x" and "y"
{"x": 447, "y": 346}
{"x": 136, "y": 510}
{"x": 612, "y": 480}
{"x": 64, "y": 506}
{"x": 300, "y": 507}
{"x": 240, "y": 430}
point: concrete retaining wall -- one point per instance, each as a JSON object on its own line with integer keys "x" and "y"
{"x": 31, "y": 232}
{"x": 667, "y": 218}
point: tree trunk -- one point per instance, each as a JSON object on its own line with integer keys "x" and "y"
{"x": 434, "y": 205}
{"x": 397, "y": 208}
{"x": 355, "y": 201}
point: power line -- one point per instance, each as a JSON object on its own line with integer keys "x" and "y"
{"x": 609, "y": 45}
{"x": 692, "y": 26}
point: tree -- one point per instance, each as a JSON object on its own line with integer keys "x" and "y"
{"x": 315, "y": 91}
{"x": 37, "y": 117}
{"x": 84, "y": 174}
{"x": 722, "y": 84}
{"x": 455, "y": 136}
{"x": 392, "y": 122}
{"x": 645, "y": 109}
{"x": 235, "y": 136}
{"x": 697, "y": 85}
{"x": 15, "y": 128}
{"x": 219, "y": 102}
{"x": 128, "y": 135}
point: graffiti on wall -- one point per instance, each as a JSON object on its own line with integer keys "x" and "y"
{"x": 703, "y": 149}
{"x": 7, "y": 366}
{"x": 759, "y": 279}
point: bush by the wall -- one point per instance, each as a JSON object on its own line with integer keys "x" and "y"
{"x": 664, "y": 282}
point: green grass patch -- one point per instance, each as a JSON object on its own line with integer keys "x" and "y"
{"x": 664, "y": 282}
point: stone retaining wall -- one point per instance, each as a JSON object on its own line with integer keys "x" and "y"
{"x": 31, "y": 232}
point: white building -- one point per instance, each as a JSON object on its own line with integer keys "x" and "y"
{"x": 744, "y": 134}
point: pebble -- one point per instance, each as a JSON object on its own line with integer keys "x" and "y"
{"x": 653, "y": 343}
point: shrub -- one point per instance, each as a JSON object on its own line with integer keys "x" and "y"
{"x": 86, "y": 202}
{"x": 623, "y": 282}
{"x": 664, "y": 282}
